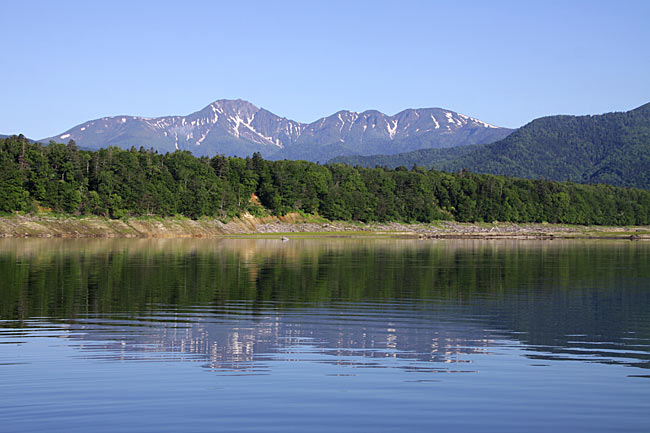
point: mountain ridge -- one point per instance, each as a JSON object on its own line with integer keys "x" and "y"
{"x": 237, "y": 127}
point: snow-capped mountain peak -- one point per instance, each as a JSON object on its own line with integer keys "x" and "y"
{"x": 238, "y": 127}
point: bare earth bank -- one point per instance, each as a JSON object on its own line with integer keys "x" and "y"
{"x": 91, "y": 226}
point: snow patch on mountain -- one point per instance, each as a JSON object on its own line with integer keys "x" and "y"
{"x": 391, "y": 131}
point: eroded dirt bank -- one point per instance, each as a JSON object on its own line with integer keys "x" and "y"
{"x": 79, "y": 227}
{"x": 91, "y": 226}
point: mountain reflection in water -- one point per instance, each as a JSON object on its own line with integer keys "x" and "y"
{"x": 222, "y": 342}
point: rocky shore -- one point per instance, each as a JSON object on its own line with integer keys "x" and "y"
{"x": 248, "y": 225}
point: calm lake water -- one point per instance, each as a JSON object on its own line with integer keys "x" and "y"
{"x": 340, "y": 335}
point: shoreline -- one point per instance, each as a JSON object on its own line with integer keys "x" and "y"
{"x": 55, "y": 226}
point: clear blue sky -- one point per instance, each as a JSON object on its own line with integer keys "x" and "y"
{"x": 65, "y": 62}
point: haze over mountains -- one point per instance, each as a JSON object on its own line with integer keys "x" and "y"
{"x": 237, "y": 127}
{"x": 611, "y": 148}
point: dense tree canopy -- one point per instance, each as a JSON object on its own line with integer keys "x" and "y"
{"x": 117, "y": 183}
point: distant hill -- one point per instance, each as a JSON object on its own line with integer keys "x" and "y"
{"x": 611, "y": 148}
{"x": 13, "y": 135}
{"x": 236, "y": 127}
{"x": 422, "y": 158}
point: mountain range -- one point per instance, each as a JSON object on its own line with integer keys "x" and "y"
{"x": 611, "y": 148}
{"x": 239, "y": 128}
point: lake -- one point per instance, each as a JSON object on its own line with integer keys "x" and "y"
{"x": 335, "y": 334}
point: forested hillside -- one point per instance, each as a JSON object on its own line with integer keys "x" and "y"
{"x": 611, "y": 148}
{"x": 117, "y": 183}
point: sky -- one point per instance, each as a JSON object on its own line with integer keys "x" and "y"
{"x": 505, "y": 62}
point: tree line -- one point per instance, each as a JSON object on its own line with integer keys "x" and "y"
{"x": 118, "y": 183}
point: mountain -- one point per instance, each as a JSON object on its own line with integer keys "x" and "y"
{"x": 236, "y": 127}
{"x": 611, "y": 148}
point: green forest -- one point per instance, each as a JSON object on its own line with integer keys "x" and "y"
{"x": 117, "y": 183}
